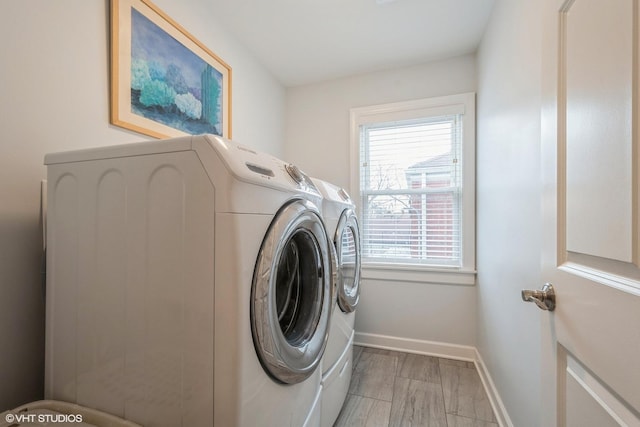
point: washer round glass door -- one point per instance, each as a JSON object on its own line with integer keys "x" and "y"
{"x": 347, "y": 242}
{"x": 291, "y": 294}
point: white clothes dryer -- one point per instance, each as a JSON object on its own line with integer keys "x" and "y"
{"x": 338, "y": 213}
{"x": 188, "y": 284}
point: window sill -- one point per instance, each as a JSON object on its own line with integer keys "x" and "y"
{"x": 413, "y": 273}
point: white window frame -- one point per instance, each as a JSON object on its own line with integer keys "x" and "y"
{"x": 461, "y": 103}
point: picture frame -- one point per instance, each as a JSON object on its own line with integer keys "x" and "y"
{"x": 164, "y": 82}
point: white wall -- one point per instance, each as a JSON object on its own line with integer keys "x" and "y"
{"x": 317, "y": 140}
{"x": 509, "y": 205}
{"x": 54, "y": 87}
{"x": 317, "y": 115}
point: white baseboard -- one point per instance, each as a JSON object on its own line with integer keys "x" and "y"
{"x": 409, "y": 345}
{"x": 445, "y": 350}
{"x": 492, "y": 393}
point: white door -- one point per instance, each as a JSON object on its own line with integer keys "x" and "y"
{"x": 591, "y": 211}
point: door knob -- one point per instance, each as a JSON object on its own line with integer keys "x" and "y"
{"x": 544, "y": 298}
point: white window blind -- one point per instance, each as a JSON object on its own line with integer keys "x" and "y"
{"x": 411, "y": 190}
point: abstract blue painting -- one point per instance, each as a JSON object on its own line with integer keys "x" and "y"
{"x": 165, "y": 82}
{"x": 170, "y": 84}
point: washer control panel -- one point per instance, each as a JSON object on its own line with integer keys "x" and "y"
{"x": 261, "y": 168}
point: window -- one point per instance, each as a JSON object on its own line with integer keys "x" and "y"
{"x": 413, "y": 174}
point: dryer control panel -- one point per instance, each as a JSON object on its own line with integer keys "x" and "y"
{"x": 257, "y": 167}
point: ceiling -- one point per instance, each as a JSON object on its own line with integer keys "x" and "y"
{"x": 306, "y": 41}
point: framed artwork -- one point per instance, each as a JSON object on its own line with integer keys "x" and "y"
{"x": 164, "y": 82}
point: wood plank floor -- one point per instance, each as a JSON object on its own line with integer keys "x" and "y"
{"x": 394, "y": 389}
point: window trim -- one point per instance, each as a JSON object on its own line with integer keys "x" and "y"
{"x": 460, "y": 103}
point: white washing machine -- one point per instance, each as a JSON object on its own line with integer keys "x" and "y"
{"x": 188, "y": 284}
{"x": 342, "y": 225}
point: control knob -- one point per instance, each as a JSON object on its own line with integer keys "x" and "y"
{"x": 295, "y": 173}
